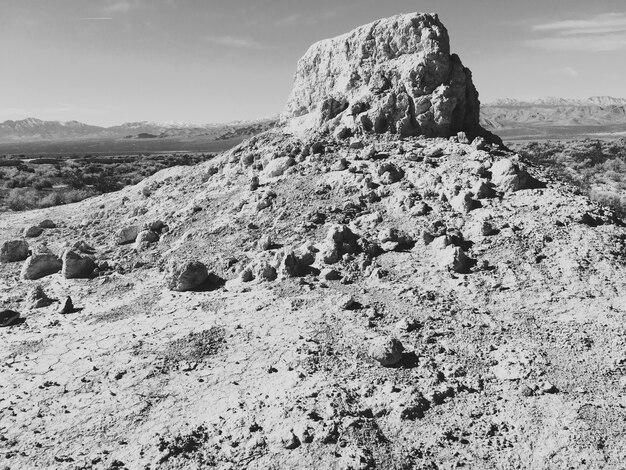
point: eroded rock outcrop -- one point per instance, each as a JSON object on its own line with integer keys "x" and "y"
{"x": 395, "y": 74}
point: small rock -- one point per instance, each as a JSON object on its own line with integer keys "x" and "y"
{"x": 146, "y": 237}
{"x": 254, "y": 183}
{"x": 339, "y": 165}
{"x": 263, "y": 271}
{"x": 83, "y": 247}
{"x": 8, "y": 317}
{"x": 463, "y": 202}
{"x": 33, "y": 231}
{"x": 185, "y": 276}
{"x": 462, "y": 137}
{"x": 454, "y": 258}
{"x": 156, "y": 226}
{"x": 278, "y": 166}
{"x": 290, "y": 440}
{"x": 347, "y": 302}
{"x": 387, "y": 351}
{"x": 356, "y": 143}
{"x": 265, "y": 243}
{"x": 483, "y": 189}
{"x": 37, "y": 298}
{"x": 415, "y": 409}
{"x": 329, "y": 274}
{"x": 433, "y": 152}
{"x": 406, "y": 325}
{"x": 479, "y": 143}
{"x": 342, "y": 132}
{"x": 13, "y": 250}
{"x": 67, "y": 306}
{"x": 390, "y": 173}
{"x": 47, "y": 223}
{"x": 508, "y": 175}
{"x": 526, "y": 391}
{"x": 549, "y": 387}
{"x": 126, "y": 235}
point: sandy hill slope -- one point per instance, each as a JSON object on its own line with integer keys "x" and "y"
{"x": 319, "y": 300}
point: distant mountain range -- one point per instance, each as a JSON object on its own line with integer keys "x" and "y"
{"x": 510, "y": 118}
{"x": 594, "y": 111}
{"x": 36, "y": 130}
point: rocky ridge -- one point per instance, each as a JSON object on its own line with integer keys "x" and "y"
{"x": 313, "y": 300}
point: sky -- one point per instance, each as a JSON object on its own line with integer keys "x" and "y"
{"x": 105, "y": 62}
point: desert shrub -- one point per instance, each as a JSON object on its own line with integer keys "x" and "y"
{"x": 76, "y": 195}
{"x": 615, "y": 201}
{"x": 21, "y": 199}
{"x": 595, "y": 167}
{"x": 42, "y": 184}
{"x": 55, "y": 198}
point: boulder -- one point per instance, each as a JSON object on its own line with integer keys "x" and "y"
{"x": 294, "y": 263}
{"x": 339, "y": 240}
{"x": 278, "y": 166}
{"x": 76, "y": 265}
{"x": 126, "y": 235}
{"x": 463, "y": 202}
{"x": 386, "y": 350}
{"x": 157, "y": 226}
{"x": 393, "y": 75}
{"x": 40, "y": 265}
{"x": 455, "y": 259}
{"x": 265, "y": 242}
{"x": 146, "y": 237}
{"x": 509, "y": 176}
{"x": 47, "y": 223}
{"x": 185, "y": 276}
{"x": 390, "y": 173}
{"x": 8, "y": 317}
{"x": 33, "y": 231}
{"x": 14, "y": 250}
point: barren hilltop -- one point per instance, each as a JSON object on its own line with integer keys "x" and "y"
{"x": 376, "y": 283}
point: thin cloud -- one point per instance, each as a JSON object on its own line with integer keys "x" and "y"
{"x": 295, "y": 20}
{"x": 599, "y": 43}
{"x": 99, "y": 18}
{"x": 604, "y": 23}
{"x": 602, "y": 33}
{"x": 119, "y": 6}
{"x": 235, "y": 42}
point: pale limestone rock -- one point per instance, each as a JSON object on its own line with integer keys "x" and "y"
{"x": 186, "y": 276}
{"x": 278, "y": 166}
{"x": 387, "y": 351}
{"x": 126, "y": 235}
{"x": 395, "y": 74}
{"x": 508, "y": 175}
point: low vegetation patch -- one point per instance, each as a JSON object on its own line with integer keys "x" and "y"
{"x": 31, "y": 183}
{"x": 596, "y": 167}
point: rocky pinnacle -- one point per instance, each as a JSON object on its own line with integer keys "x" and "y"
{"x": 393, "y": 75}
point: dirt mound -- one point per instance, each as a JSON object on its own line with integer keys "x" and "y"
{"x": 374, "y": 302}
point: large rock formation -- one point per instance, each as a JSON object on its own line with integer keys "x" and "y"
{"x": 395, "y": 74}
